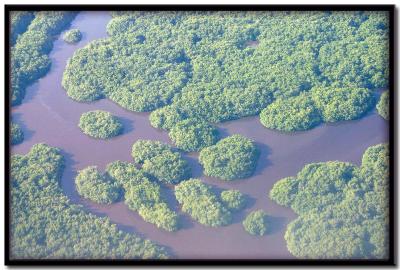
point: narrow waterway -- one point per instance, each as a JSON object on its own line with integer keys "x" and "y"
{"x": 48, "y": 115}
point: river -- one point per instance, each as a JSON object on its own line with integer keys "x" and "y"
{"x": 48, "y": 115}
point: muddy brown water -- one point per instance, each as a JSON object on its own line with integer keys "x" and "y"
{"x": 48, "y": 115}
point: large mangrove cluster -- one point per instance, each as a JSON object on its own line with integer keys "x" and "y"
{"x": 342, "y": 208}
{"x": 303, "y": 68}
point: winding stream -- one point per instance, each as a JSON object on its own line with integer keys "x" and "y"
{"x": 48, "y": 115}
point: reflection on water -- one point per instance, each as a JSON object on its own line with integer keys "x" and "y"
{"x": 48, "y": 115}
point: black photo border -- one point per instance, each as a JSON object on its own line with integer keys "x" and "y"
{"x": 392, "y": 260}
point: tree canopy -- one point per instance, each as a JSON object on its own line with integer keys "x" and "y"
{"x": 100, "y": 124}
{"x": 342, "y": 208}
{"x": 72, "y": 36}
{"x": 320, "y": 104}
{"x": 233, "y": 199}
{"x": 17, "y": 136}
{"x": 44, "y": 224}
{"x": 161, "y": 161}
{"x": 200, "y": 202}
{"x": 256, "y": 223}
{"x": 20, "y": 21}
{"x": 234, "y": 157}
{"x": 29, "y": 55}
{"x": 383, "y": 105}
{"x": 143, "y": 195}
{"x": 291, "y": 114}
{"x": 193, "y": 135}
{"x": 93, "y": 185}
{"x": 199, "y": 65}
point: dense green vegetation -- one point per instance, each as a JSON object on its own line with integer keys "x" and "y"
{"x": 320, "y": 104}
{"x": 342, "y": 208}
{"x": 197, "y": 65}
{"x": 383, "y": 105}
{"x": 143, "y": 195}
{"x": 291, "y": 114}
{"x": 20, "y": 21}
{"x": 161, "y": 161}
{"x": 192, "y": 135}
{"x": 29, "y": 56}
{"x": 256, "y": 223}
{"x": 200, "y": 202}
{"x": 17, "y": 136}
{"x": 45, "y": 225}
{"x": 100, "y": 124}
{"x": 72, "y": 36}
{"x": 92, "y": 185}
{"x": 143, "y": 150}
{"x": 234, "y": 157}
{"x": 233, "y": 199}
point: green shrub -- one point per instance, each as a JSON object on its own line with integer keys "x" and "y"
{"x": 72, "y": 36}
{"x": 200, "y": 202}
{"x": 169, "y": 168}
{"x": 160, "y": 215}
{"x": 383, "y": 105}
{"x": 292, "y": 114}
{"x": 17, "y": 136}
{"x": 191, "y": 135}
{"x": 234, "y": 157}
{"x": 124, "y": 173}
{"x": 92, "y": 185}
{"x": 143, "y": 150}
{"x": 100, "y": 124}
{"x": 161, "y": 161}
{"x": 256, "y": 223}
{"x": 343, "y": 209}
{"x": 233, "y": 199}
{"x": 338, "y": 104}
{"x": 143, "y": 195}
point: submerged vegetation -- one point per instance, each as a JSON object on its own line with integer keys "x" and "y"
{"x": 100, "y": 124}
{"x": 161, "y": 161}
{"x": 200, "y": 202}
{"x": 342, "y": 208}
{"x": 234, "y": 157}
{"x": 17, "y": 136}
{"x": 383, "y": 105}
{"x": 29, "y": 55}
{"x": 45, "y": 225}
{"x": 256, "y": 223}
{"x": 198, "y": 66}
{"x": 92, "y": 185}
{"x": 72, "y": 36}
